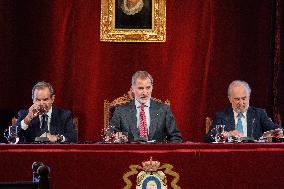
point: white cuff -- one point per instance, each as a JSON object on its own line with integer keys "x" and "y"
{"x": 23, "y": 125}
{"x": 63, "y": 138}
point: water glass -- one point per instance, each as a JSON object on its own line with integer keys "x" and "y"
{"x": 220, "y": 137}
{"x": 12, "y": 135}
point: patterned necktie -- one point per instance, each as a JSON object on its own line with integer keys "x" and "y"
{"x": 44, "y": 128}
{"x": 239, "y": 123}
{"x": 143, "y": 123}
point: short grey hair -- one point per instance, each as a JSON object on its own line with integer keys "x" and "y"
{"x": 42, "y": 85}
{"x": 141, "y": 75}
{"x": 237, "y": 83}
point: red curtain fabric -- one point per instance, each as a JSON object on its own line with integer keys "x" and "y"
{"x": 278, "y": 54}
{"x": 209, "y": 44}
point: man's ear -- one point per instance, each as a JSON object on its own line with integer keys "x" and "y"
{"x": 53, "y": 98}
{"x": 229, "y": 99}
{"x": 132, "y": 88}
{"x": 130, "y": 93}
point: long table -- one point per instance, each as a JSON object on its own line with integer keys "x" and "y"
{"x": 103, "y": 165}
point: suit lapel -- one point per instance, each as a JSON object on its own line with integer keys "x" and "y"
{"x": 132, "y": 120}
{"x": 36, "y": 126}
{"x": 54, "y": 120}
{"x": 154, "y": 112}
{"x": 250, "y": 118}
{"x": 36, "y": 122}
{"x": 230, "y": 120}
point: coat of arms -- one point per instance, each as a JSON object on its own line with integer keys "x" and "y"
{"x": 152, "y": 175}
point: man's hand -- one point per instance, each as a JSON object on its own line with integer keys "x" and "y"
{"x": 118, "y": 137}
{"x": 277, "y": 133}
{"x": 37, "y": 109}
{"x": 234, "y": 133}
{"x": 51, "y": 138}
{"x": 34, "y": 111}
{"x": 121, "y": 137}
{"x": 31, "y": 114}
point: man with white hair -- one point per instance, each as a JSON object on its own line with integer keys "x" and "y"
{"x": 241, "y": 119}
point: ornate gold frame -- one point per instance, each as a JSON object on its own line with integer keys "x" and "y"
{"x": 108, "y": 32}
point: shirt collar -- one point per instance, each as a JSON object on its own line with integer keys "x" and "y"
{"x": 49, "y": 112}
{"x": 138, "y": 104}
{"x": 244, "y": 114}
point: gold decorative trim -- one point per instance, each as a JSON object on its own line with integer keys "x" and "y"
{"x": 169, "y": 171}
{"x": 108, "y": 32}
{"x": 118, "y": 101}
{"x": 208, "y": 123}
{"x": 134, "y": 170}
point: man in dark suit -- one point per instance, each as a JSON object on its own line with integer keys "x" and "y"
{"x": 145, "y": 119}
{"x": 44, "y": 120}
{"x": 242, "y": 120}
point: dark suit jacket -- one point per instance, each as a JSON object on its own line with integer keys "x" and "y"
{"x": 162, "y": 122}
{"x": 60, "y": 124}
{"x": 257, "y": 123}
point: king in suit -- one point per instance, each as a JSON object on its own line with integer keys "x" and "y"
{"x": 44, "y": 120}
{"x": 242, "y": 120}
{"x": 145, "y": 119}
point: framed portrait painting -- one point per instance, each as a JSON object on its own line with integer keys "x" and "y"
{"x": 133, "y": 21}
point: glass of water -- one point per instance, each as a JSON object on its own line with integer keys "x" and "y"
{"x": 11, "y": 134}
{"x": 220, "y": 137}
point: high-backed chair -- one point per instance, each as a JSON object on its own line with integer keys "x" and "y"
{"x": 76, "y": 125}
{"x": 208, "y": 122}
{"x": 40, "y": 178}
{"x": 110, "y": 106}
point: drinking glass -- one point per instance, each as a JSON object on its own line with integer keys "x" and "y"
{"x": 220, "y": 137}
{"x": 108, "y": 134}
{"x": 12, "y": 134}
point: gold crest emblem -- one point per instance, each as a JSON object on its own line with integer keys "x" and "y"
{"x": 151, "y": 175}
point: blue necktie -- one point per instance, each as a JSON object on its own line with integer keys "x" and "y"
{"x": 239, "y": 123}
